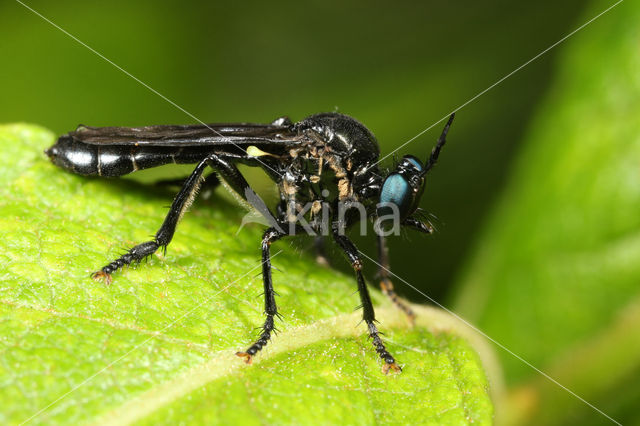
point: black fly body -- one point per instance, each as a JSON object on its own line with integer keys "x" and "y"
{"x": 320, "y": 164}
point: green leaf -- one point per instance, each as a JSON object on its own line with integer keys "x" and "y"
{"x": 555, "y": 275}
{"x": 158, "y": 344}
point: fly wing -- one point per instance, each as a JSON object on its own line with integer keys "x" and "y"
{"x": 237, "y": 134}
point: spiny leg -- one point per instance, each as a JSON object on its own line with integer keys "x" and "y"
{"x": 223, "y": 167}
{"x": 270, "y": 308}
{"x": 164, "y": 235}
{"x": 385, "y": 282}
{"x": 368, "y": 314}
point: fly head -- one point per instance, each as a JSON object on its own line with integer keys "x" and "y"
{"x": 403, "y": 188}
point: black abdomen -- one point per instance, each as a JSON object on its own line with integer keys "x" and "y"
{"x": 117, "y": 160}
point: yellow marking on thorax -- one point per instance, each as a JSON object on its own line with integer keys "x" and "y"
{"x": 254, "y": 151}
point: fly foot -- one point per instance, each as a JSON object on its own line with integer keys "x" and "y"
{"x": 102, "y": 276}
{"x": 248, "y": 358}
{"x": 391, "y": 366}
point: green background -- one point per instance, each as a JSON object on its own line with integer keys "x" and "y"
{"x": 537, "y": 191}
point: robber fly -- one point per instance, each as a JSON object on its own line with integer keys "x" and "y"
{"x": 326, "y": 159}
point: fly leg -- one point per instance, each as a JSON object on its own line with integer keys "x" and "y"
{"x": 234, "y": 179}
{"x": 368, "y": 314}
{"x": 385, "y": 282}
{"x": 164, "y": 235}
{"x": 225, "y": 169}
{"x": 270, "y": 308}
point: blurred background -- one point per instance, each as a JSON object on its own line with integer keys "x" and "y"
{"x": 527, "y": 248}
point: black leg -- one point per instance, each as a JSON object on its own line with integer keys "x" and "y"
{"x": 230, "y": 174}
{"x": 270, "y": 308}
{"x": 368, "y": 314}
{"x": 224, "y": 168}
{"x": 164, "y": 235}
{"x": 385, "y": 282}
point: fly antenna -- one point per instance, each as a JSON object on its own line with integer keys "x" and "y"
{"x": 435, "y": 152}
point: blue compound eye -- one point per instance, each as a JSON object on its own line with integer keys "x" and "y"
{"x": 396, "y": 190}
{"x": 414, "y": 161}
